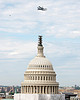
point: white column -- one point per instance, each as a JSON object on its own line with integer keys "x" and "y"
{"x": 49, "y": 89}
{"x": 31, "y": 89}
{"x": 43, "y": 89}
{"x": 37, "y": 89}
{"x": 24, "y": 89}
{"x": 40, "y": 89}
{"x": 34, "y": 89}
{"x": 46, "y": 90}
{"x": 52, "y": 89}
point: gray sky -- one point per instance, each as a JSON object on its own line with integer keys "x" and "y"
{"x": 20, "y": 25}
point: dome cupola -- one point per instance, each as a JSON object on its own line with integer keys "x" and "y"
{"x": 40, "y": 61}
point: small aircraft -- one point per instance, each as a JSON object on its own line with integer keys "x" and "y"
{"x": 41, "y": 8}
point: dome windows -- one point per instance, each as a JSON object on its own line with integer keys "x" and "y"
{"x": 43, "y": 66}
{"x": 45, "y": 78}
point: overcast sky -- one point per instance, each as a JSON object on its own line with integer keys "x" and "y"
{"x": 20, "y": 25}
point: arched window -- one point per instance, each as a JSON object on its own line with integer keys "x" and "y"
{"x": 44, "y": 77}
{"x": 33, "y": 77}
{"x": 41, "y": 77}
{"x": 38, "y": 77}
{"x": 49, "y": 77}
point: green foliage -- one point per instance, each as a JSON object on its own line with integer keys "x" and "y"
{"x": 11, "y": 93}
{"x": 77, "y": 88}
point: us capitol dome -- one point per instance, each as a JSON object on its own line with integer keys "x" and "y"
{"x": 40, "y": 77}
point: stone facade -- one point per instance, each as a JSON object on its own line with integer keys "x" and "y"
{"x": 39, "y": 78}
{"x": 39, "y": 97}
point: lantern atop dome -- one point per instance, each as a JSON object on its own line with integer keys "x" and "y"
{"x": 40, "y": 41}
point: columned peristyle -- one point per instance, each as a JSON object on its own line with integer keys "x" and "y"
{"x": 40, "y": 90}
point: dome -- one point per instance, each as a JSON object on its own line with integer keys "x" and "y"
{"x": 38, "y": 61}
{"x": 40, "y": 77}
